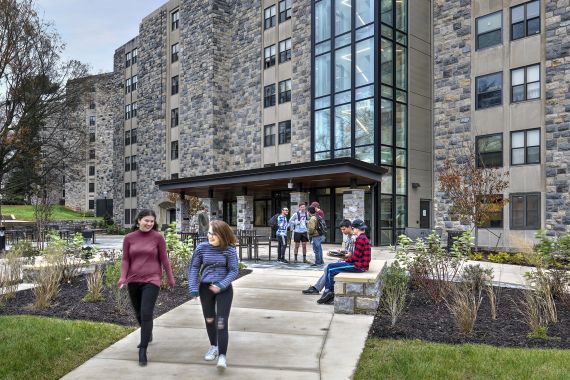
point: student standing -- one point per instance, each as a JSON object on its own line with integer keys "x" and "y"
{"x": 300, "y": 233}
{"x": 316, "y": 237}
{"x": 213, "y": 267}
{"x": 144, "y": 253}
{"x": 281, "y": 234}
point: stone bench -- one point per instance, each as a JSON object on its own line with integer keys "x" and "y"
{"x": 358, "y": 293}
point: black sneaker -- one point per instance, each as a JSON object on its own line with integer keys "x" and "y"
{"x": 331, "y": 301}
{"x": 284, "y": 261}
{"x": 326, "y": 297}
{"x": 311, "y": 290}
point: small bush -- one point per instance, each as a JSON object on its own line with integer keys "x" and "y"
{"x": 477, "y": 278}
{"x": 395, "y": 288}
{"x": 10, "y": 274}
{"x": 533, "y": 313}
{"x": 499, "y": 257}
{"x": 541, "y": 283}
{"x": 179, "y": 253}
{"x": 242, "y": 266}
{"x": 47, "y": 282}
{"x": 112, "y": 275}
{"x": 464, "y": 305}
{"x": 476, "y": 256}
{"x": 94, "y": 286}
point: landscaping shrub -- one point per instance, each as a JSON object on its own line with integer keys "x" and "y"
{"x": 48, "y": 277}
{"x": 534, "y": 316}
{"x": 499, "y": 257}
{"x": 10, "y": 274}
{"x": 464, "y": 305}
{"x": 477, "y": 277}
{"x": 112, "y": 275}
{"x": 395, "y": 288}
{"x": 66, "y": 256}
{"x": 94, "y": 286}
{"x": 179, "y": 253}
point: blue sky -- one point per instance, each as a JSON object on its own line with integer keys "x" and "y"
{"x": 93, "y": 29}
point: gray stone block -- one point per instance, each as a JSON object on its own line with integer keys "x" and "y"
{"x": 366, "y": 304}
{"x": 354, "y": 289}
{"x": 344, "y": 305}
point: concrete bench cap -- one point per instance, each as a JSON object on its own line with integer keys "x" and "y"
{"x": 370, "y": 276}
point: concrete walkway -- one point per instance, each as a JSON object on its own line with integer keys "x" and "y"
{"x": 275, "y": 333}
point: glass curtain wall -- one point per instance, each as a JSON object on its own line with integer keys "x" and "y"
{"x": 360, "y": 95}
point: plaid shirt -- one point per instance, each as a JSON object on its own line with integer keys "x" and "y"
{"x": 362, "y": 253}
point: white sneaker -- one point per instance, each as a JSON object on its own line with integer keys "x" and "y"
{"x": 222, "y": 364}
{"x": 211, "y": 354}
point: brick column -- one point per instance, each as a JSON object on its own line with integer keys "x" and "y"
{"x": 244, "y": 212}
{"x": 182, "y": 215}
{"x": 353, "y": 204}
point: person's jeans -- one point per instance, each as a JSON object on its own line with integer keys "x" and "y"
{"x": 320, "y": 284}
{"x": 335, "y": 268}
{"x": 318, "y": 249}
{"x": 281, "y": 247}
{"x": 143, "y": 297}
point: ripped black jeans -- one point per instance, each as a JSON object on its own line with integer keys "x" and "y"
{"x": 216, "y": 308}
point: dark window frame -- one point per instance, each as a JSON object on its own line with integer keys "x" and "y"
{"x": 91, "y": 204}
{"x": 127, "y": 138}
{"x": 133, "y": 189}
{"x": 127, "y": 190}
{"x": 525, "y": 225}
{"x": 284, "y": 131}
{"x": 128, "y": 86}
{"x": 480, "y": 158}
{"x": 91, "y": 170}
{"x": 128, "y": 59}
{"x": 284, "y": 12}
{"x": 133, "y": 136}
{"x": 269, "y": 61}
{"x": 92, "y": 154}
{"x": 271, "y": 20}
{"x": 489, "y": 32}
{"x": 269, "y": 138}
{"x": 175, "y": 19}
{"x": 91, "y": 137}
{"x": 174, "y": 150}
{"x": 133, "y": 163}
{"x": 134, "y": 108}
{"x": 525, "y": 21}
{"x": 477, "y": 102}
{"x": 526, "y": 146}
{"x": 174, "y": 53}
{"x": 134, "y": 82}
{"x": 128, "y": 111}
{"x": 285, "y": 94}
{"x": 127, "y": 164}
{"x": 269, "y": 95}
{"x": 174, "y": 118}
{"x": 285, "y": 54}
{"x": 92, "y": 120}
{"x": 496, "y": 222}
{"x": 526, "y": 83}
{"x": 174, "y": 83}
{"x": 135, "y": 55}
{"x": 127, "y": 216}
{"x": 91, "y": 187}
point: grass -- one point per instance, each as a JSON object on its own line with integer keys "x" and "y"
{"x": 401, "y": 359}
{"x": 48, "y": 348}
{"x": 26, "y": 212}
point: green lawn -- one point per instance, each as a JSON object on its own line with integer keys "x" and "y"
{"x": 59, "y": 213}
{"x": 400, "y": 359}
{"x": 48, "y": 348}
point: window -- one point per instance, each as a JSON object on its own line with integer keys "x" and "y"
{"x": 92, "y": 154}
{"x": 91, "y": 204}
{"x": 285, "y": 91}
{"x": 91, "y": 170}
{"x": 174, "y": 85}
{"x": 135, "y": 56}
{"x": 489, "y": 30}
{"x": 525, "y": 83}
{"x": 284, "y": 10}
{"x": 269, "y": 96}
{"x": 174, "y": 118}
{"x": 495, "y": 207}
{"x": 133, "y": 189}
{"x": 128, "y": 59}
{"x": 174, "y": 150}
{"x": 269, "y": 55}
{"x": 127, "y": 138}
{"x": 283, "y": 163}
{"x": 133, "y": 163}
{"x": 285, "y": 132}
{"x": 270, "y": 16}
{"x": 92, "y": 137}
{"x": 127, "y": 190}
{"x": 92, "y": 105}
{"x": 174, "y": 53}
{"x": 134, "y": 109}
{"x": 127, "y": 164}
{"x": 91, "y": 187}
{"x": 285, "y": 50}
{"x": 175, "y": 17}
{"x": 489, "y": 150}
{"x": 525, "y": 147}
{"x": 525, "y": 20}
{"x": 128, "y": 112}
{"x": 134, "y": 82}
{"x": 128, "y": 86}
{"x": 489, "y": 90}
{"x": 127, "y": 216}
{"x": 92, "y": 120}
{"x": 133, "y": 214}
{"x": 269, "y": 135}
{"x": 133, "y": 136}
{"x": 525, "y": 211}
{"x": 174, "y": 176}
{"x": 262, "y": 211}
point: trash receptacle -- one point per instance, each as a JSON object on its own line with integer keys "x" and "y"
{"x": 2, "y": 239}
{"x": 451, "y": 236}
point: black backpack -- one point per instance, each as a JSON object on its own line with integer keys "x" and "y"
{"x": 273, "y": 222}
{"x": 321, "y": 226}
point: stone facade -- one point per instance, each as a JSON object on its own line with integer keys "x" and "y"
{"x": 357, "y": 297}
{"x": 353, "y": 204}
{"x": 297, "y": 198}
{"x": 557, "y": 115}
{"x": 244, "y": 212}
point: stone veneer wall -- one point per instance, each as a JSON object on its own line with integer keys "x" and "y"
{"x": 118, "y": 158}
{"x": 452, "y": 90}
{"x": 301, "y": 82}
{"x": 557, "y": 114}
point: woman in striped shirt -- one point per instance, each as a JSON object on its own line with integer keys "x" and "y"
{"x": 213, "y": 267}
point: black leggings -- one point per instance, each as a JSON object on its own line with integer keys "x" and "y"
{"x": 143, "y": 297}
{"x": 217, "y": 307}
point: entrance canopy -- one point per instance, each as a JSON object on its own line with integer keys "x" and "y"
{"x": 297, "y": 177}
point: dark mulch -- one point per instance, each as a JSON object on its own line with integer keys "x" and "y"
{"x": 425, "y": 320}
{"x": 69, "y": 303}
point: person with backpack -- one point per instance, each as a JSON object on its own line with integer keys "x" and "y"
{"x": 316, "y": 234}
{"x": 281, "y": 225}
{"x": 298, "y": 222}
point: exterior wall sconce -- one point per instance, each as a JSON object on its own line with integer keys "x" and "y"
{"x": 415, "y": 185}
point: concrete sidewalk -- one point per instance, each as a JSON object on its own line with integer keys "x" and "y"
{"x": 275, "y": 333}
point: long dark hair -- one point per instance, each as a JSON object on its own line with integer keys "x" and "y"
{"x": 142, "y": 213}
{"x": 224, "y": 233}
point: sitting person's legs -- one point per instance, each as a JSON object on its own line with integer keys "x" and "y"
{"x": 319, "y": 285}
{"x": 332, "y": 270}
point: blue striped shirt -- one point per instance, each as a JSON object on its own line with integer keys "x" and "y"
{"x": 219, "y": 267}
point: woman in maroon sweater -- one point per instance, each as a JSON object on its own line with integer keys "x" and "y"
{"x": 144, "y": 252}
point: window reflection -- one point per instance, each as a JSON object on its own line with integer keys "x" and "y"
{"x": 365, "y": 62}
{"x": 343, "y": 16}
{"x": 342, "y": 129}
{"x": 364, "y": 12}
{"x": 364, "y": 128}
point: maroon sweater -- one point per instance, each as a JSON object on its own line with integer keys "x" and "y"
{"x": 143, "y": 254}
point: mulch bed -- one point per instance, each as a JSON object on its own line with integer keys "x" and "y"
{"x": 425, "y": 320}
{"x": 69, "y": 303}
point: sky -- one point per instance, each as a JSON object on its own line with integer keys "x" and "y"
{"x": 93, "y": 29}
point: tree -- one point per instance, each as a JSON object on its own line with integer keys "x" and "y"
{"x": 475, "y": 191}
{"x": 35, "y": 101}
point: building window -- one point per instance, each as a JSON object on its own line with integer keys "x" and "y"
{"x": 91, "y": 187}
{"x": 489, "y": 30}
{"x": 174, "y": 150}
{"x": 128, "y": 59}
{"x": 128, "y": 112}
{"x": 285, "y": 132}
{"x": 525, "y": 83}
{"x": 91, "y": 204}
{"x": 134, "y": 82}
{"x": 92, "y": 105}
{"x": 128, "y": 86}
{"x": 127, "y": 190}
{"x": 269, "y": 96}
{"x": 525, "y": 211}
{"x": 489, "y": 90}
{"x": 495, "y": 204}
{"x": 175, "y": 17}
{"x": 174, "y": 176}
{"x": 92, "y": 154}
{"x": 133, "y": 163}
{"x": 174, "y": 118}
{"x": 525, "y": 147}
{"x": 269, "y": 55}
{"x": 489, "y": 150}
{"x": 269, "y": 135}
{"x": 135, "y": 56}
{"x": 91, "y": 137}
{"x": 91, "y": 170}
{"x": 283, "y": 163}
{"x": 270, "y": 16}
{"x": 127, "y": 138}
{"x": 127, "y": 216}
{"x": 127, "y": 164}
{"x": 174, "y": 85}
{"x": 284, "y": 10}
{"x": 285, "y": 50}
{"x": 133, "y": 189}
{"x": 525, "y": 20}
{"x": 134, "y": 108}
{"x": 285, "y": 91}
{"x": 174, "y": 53}
{"x": 92, "y": 120}
{"x": 268, "y": 165}
{"x": 133, "y": 136}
